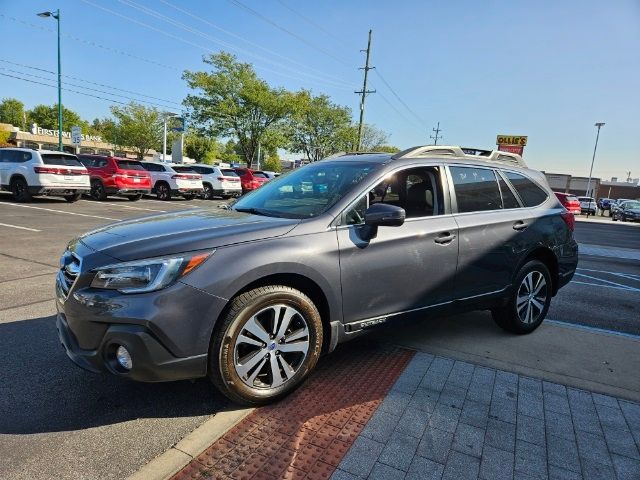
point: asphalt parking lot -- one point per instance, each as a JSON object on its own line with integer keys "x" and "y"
{"x": 82, "y": 425}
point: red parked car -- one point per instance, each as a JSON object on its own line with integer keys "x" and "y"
{"x": 116, "y": 176}
{"x": 251, "y": 179}
{"x": 570, "y": 202}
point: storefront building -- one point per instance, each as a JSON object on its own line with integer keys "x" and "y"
{"x": 44, "y": 139}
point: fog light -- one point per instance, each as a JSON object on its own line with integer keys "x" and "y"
{"x": 124, "y": 358}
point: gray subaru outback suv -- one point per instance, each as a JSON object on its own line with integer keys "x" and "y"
{"x": 252, "y": 295}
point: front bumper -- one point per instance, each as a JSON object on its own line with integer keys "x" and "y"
{"x": 152, "y": 362}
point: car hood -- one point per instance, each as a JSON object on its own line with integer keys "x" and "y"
{"x": 635, "y": 211}
{"x": 184, "y": 231}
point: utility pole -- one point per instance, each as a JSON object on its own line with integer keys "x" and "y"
{"x": 599, "y": 125}
{"x": 436, "y": 136}
{"x": 364, "y": 90}
{"x": 56, "y": 15}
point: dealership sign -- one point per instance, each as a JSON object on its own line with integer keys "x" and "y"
{"x": 36, "y": 130}
{"x": 511, "y": 143}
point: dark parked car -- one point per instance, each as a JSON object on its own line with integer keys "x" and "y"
{"x": 628, "y": 211}
{"x": 116, "y": 176}
{"x": 252, "y": 295}
{"x": 604, "y": 204}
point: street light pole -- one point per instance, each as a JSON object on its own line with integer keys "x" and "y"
{"x": 56, "y": 15}
{"x": 599, "y": 125}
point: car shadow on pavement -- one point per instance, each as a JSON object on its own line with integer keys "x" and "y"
{"x": 42, "y": 391}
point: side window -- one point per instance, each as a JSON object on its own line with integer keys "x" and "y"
{"x": 14, "y": 156}
{"x": 476, "y": 189}
{"x": 416, "y": 190}
{"x": 530, "y": 193}
{"x": 509, "y": 200}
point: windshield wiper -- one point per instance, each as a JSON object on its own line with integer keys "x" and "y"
{"x": 255, "y": 211}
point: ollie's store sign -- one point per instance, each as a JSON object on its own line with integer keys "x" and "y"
{"x": 511, "y": 143}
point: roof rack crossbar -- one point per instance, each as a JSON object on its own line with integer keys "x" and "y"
{"x": 461, "y": 152}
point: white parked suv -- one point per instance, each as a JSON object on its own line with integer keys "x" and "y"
{"x": 25, "y": 173}
{"x": 172, "y": 179}
{"x": 588, "y": 205}
{"x": 218, "y": 182}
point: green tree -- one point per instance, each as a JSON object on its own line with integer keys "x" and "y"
{"x": 12, "y": 111}
{"x": 372, "y": 138}
{"x": 231, "y": 101}
{"x": 229, "y": 153}
{"x": 46, "y": 116}
{"x": 202, "y": 149}
{"x": 387, "y": 149}
{"x": 272, "y": 164}
{"x": 319, "y": 127}
{"x": 136, "y": 126}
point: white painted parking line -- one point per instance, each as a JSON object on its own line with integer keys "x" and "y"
{"x": 60, "y": 211}
{"x": 593, "y": 329}
{"x": 626, "y": 289}
{"x": 619, "y": 285}
{"x": 19, "y": 227}
{"x": 127, "y": 206}
{"x": 628, "y": 276}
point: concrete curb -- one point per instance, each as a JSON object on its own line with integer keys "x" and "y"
{"x": 167, "y": 464}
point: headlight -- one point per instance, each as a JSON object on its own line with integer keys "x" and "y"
{"x": 142, "y": 276}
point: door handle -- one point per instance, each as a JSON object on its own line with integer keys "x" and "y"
{"x": 445, "y": 237}
{"x": 519, "y": 225}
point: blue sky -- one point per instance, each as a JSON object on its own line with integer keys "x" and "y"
{"x": 545, "y": 69}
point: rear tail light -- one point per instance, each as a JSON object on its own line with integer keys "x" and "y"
{"x": 569, "y": 219}
{"x": 60, "y": 171}
{"x": 184, "y": 176}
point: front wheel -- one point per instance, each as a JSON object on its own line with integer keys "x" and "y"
{"x": 73, "y": 198}
{"x": 20, "y": 190}
{"x": 208, "y": 192}
{"x": 163, "y": 192}
{"x": 266, "y": 344}
{"x": 529, "y": 301}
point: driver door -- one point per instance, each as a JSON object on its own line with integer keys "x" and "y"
{"x": 402, "y": 268}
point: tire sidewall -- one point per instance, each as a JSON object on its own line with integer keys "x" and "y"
{"x": 531, "y": 266}
{"x": 222, "y": 352}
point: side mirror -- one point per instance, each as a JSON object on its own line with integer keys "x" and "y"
{"x": 384, "y": 215}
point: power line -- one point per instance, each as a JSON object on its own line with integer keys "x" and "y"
{"x": 91, "y": 43}
{"x": 90, "y": 82}
{"x": 398, "y": 97}
{"x": 311, "y": 22}
{"x": 194, "y": 31}
{"x": 253, "y": 44}
{"x": 188, "y": 42}
{"x": 239, "y": 4}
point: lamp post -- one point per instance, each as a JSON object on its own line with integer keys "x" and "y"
{"x": 167, "y": 116}
{"x": 56, "y": 15}
{"x": 599, "y": 125}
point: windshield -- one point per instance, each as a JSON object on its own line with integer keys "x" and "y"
{"x": 306, "y": 192}
{"x": 60, "y": 159}
{"x": 632, "y": 204}
{"x": 129, "y": 165}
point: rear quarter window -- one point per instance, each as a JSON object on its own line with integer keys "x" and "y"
{"x": 14, "y": 156}
{"x": 59, "y": 159}
{"x": 530, "y": 193}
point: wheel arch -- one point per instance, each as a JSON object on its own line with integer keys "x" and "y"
{"x": 302, "y": 283}
{"x": 16, "y": 176}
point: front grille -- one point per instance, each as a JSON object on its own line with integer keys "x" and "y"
{"x": 69, "y": 270}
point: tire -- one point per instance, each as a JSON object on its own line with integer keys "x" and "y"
{"x": 510, "y": 317}
{"x": 163, "y": 192}
{"x": 259, "y": 307}
{"x": 134, "y": 198}
{"x": 208, "y": 192}
{"x": 188, "y": 197}
{"x": 20, "y": 190}
{"x": 73, "y": 198}
{"x": 613, "y": 217}
{"x": 97, "y": 190}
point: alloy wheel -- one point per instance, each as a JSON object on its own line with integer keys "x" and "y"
{"x": 271, "y": 347}
{"x": 531, "y": 297}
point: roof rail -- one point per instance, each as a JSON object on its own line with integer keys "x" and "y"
{"x": 461, "y": 152}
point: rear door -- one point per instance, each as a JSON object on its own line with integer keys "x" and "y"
{"x": 402, "y": 268}
{"x": 493, "y": 230}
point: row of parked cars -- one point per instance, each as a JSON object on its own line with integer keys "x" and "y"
{"x": 25, "y": 173}
{"x": 623, "y": 209}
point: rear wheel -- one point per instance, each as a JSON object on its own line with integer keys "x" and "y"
{"x": 163, "y": 192}
{"x": 134, "y": 198}
{"x": 73, "y": 198}
{"x": 97, "y": 190}
{"x": 529, "y": 301}
{"x": 20, "y": 190}
{"x": 267, "y": 343}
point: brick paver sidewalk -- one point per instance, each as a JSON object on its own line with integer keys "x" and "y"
{"x": 454, "y": 420}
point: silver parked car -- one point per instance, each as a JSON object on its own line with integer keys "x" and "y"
{"x": 252, "y": 295}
